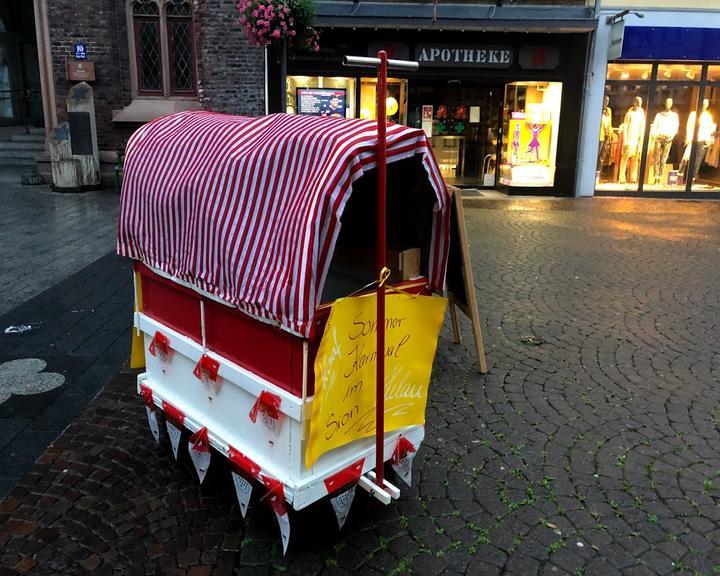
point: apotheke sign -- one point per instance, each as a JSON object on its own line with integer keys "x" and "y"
{"x": 464, "y": 56}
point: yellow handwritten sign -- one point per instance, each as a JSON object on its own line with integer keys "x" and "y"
{"x": 344, "y": 403}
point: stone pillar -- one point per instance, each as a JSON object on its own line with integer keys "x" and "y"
{"x": 65, "y": 169}
{"x": 83, "y": 134}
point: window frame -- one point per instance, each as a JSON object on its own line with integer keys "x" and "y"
{"x": 173, "y": 91}
{"x": 167, "y": 91}
{"x": 137, "y": 21}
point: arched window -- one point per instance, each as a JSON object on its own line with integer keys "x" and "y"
{"x": 163, "y": 45}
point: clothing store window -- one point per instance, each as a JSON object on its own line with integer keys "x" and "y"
{"x": 531, "y": 117}
{"x": 679, "y": 72}
{"x": 713, "y": 74}
{"x": 658, "y": 129}
{"x": 672, "y": 104}
{"x": 622, "y": 129}
{"x": 626, "y": 72}
{"x": 702, "y": 131}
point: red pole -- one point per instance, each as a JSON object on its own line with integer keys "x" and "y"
{"x": 381, "y": 249}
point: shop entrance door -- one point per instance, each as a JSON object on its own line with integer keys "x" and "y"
{"x": 463, "y": 124}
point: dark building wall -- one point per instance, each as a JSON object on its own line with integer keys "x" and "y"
{"x": 231, "y": 73}
{"x": 101, "y": 25}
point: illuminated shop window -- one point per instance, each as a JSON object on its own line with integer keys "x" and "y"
{"x": 713, "y": 74}
{"x": 395, "y": 103}
{"x": 622, "y": 130}
{"x": 658, "y": 130}
{"x": 531, "y": 116}
{"x": 701, "y": 130}
{"x": 321, "y": 96}
{"x": 629, "y": 71}
{"x": 679, "y": 72}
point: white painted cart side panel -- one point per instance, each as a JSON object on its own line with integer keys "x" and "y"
{"x": 224, "y": 411}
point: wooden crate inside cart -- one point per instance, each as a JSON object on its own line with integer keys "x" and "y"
{"x": 221, "y": 357}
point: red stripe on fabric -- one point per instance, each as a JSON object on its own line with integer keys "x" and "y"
{"x": 249, "y": 209}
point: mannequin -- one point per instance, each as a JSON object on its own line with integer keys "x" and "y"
{"x": 633, "y": 129}
{"x": 664, "y": 128}
{"x": 605, "y": 133}
{"x": 705, "y": 137}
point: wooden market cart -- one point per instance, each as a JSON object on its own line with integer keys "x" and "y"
{"x": 243, "y": 232}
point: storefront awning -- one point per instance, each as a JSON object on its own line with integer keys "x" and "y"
{"x": 396, "y": 15}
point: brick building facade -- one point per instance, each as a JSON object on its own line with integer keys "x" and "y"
{"x": 228, "y": 74}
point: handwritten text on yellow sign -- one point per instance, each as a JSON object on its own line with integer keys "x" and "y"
{"x": 344, "y": 404}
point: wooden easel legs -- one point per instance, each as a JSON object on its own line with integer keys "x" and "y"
{"x": 472, "y": 313}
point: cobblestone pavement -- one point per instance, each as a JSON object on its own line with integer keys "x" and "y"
{"x": 65, "y": 303}
{"x": 46, "y": 236}
{"x": 593, "y": 452}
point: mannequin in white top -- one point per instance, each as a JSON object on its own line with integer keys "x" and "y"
{"x": 663, "y": 131}
{"x": 705, "y": 136}
{"x": 633, "y": 129}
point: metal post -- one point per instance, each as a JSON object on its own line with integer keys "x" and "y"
{"x": 283, "y": 74}
{"x": 381, "y": 249}
{"x": 382, "y": 63}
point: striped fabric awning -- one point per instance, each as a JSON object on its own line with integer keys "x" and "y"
{"x": 248, "y": 209}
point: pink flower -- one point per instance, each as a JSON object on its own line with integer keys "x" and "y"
{"x": 276, "y": 34}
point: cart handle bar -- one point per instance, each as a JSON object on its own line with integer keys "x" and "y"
{"x": 367, "y": 62}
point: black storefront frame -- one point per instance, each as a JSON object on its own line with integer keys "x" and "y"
{"x": 570, "y": 72}
{"x": 652, "y": 83}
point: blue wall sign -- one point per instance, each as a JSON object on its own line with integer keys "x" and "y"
{"x": 670, "y": 43}
{"x": 80, "y": 51}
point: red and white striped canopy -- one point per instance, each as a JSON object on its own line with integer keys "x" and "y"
{"x": 248, "y": 209}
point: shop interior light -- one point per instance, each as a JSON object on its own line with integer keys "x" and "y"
{"x": 624, "y": 75}
{"x": 667, "y": 73}
{"x": 690, "y": 75}
{"x": 391, "y": 106}
{"x": 645, "y": 75}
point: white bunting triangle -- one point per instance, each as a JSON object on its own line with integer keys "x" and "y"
{"x": 153, "y": 423}
{"x": 200, "y": 459}
{"x": 174, "y": 434}
{"x": 341, "y": 504}
{"x": 284, "y": 522}
{"x": 243, "y": 490}
{"x": 403, "y": 468}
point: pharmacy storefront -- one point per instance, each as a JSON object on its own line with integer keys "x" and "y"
{"x": 652, "y": 117}
{"x": 500, "y": 109}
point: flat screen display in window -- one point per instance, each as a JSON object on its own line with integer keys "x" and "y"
{"x": 321, "y": 101}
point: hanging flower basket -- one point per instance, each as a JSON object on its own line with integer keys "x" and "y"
{"x": 267, "y": 22}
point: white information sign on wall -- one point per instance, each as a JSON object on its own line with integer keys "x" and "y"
{"x": 617, "y": 31}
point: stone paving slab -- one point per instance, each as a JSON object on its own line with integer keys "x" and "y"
{"x": 594, "y": 452}
{"x": 80, "y": 329}
{"x": 46, "y": 236}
